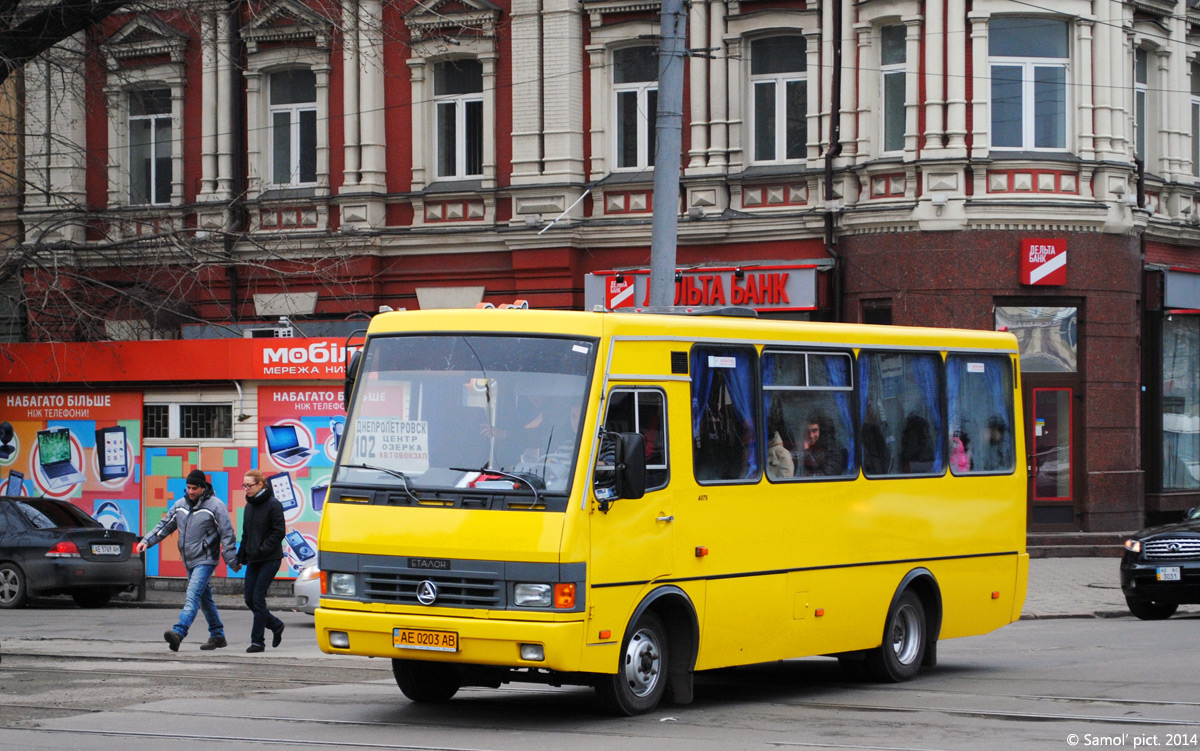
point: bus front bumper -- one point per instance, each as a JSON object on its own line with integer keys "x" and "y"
{"x": 477, "y": 641}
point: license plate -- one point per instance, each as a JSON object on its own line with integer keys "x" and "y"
{"x": 106, "y": 550}
{"x": 1168, "y": 573}
{"x": 436, "y": 641}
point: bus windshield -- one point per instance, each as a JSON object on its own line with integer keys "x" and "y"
{"x": 442, "y": 410}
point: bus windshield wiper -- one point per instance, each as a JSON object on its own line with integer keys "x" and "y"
{"x": 537, "y": 499}
{"x": 393, "y": 472}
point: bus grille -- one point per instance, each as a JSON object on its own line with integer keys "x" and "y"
{"x": 452, "y": 591}
{"x": 1177, "y": 548}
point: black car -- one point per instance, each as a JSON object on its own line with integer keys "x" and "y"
{"x": 50, "y": 547}
{"x": 1161, "y": 568}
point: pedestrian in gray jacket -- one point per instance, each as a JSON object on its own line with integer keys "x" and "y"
{"x": 205, "y": 536}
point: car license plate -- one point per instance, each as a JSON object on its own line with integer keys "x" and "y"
{"x": 436, "y": 641}
{"x": 106, "y": 550}
{"x": 1168, "y": 573}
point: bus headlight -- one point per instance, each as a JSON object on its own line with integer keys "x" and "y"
{"x": 341, "y": 585}
{"x": 532, "y": 595}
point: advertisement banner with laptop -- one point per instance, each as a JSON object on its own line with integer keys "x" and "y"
{"x": 300, "y": 430}
{"x": 81, "y": 447}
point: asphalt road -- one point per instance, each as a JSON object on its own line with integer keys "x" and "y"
{"x": 104, "y": 679}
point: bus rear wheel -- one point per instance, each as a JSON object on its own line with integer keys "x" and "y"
{"x": 899, "y": 657}
{"x": 426, "y": 682}
{"x": 641, "y": 678}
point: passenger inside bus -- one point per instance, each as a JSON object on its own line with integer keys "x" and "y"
{"x": 822, "y": 454}
{"x": 916, "y": 446}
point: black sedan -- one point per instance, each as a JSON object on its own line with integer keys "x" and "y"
{"x": 1161, "y": 568}
{"x": 50, "y": 547}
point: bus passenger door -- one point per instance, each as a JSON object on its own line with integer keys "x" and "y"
{"x": 631, "y": 541}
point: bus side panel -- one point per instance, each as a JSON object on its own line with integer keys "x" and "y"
{"x": 968, "y": 586}
{"x": 611, "y": 609}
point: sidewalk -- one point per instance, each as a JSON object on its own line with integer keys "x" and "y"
{"x": 1071, "y": 587}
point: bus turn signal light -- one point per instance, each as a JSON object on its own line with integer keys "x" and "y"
{"x": 701, "y": 551}
{"x": 564, "y": 596}
{"x": 995, "y": 595}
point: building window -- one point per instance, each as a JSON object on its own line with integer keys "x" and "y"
{"x": 1140, "y": 87}
{"x": 150, "y": 147}
{"x": 190, "y": 421}
{"x": 293, "y": 115}
{"x": 635, "y": 82}
{"x": 893, "y": 75}
{"x": 458, "y": 102}
{"x": 1048, "y": 338}
{"x": 780, "y": 110}
{"x": 1181, "y": 403}
{"x": 1028, "y": 58}
{"x": 1196, "y": 119}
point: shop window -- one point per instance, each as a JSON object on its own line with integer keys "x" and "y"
{"x": 1028, "y": 58}
{"x": 190, "y": 421}
{"x": 635, "y": 86}
{"x": 1047, "y": 337}
{"x": 893, "y": 76}
{"x": 1181, "y": 403}
{"x": 810, "y": 430}
{"x": 979, "y": 395}
{"x": 779, "y": 85}
{"x": 900, "y": 414}
{"x": 724, "y": 415}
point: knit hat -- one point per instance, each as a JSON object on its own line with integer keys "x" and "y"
{"x": 197, "y": 478}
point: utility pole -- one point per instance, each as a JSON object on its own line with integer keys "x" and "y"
{"x": 669, "y": 140}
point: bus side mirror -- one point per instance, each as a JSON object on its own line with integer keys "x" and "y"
{"x": 631, "y": 465}
{"x": 351, "y": 374}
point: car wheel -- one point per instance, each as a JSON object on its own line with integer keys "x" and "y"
{"x": 91, "y": 598}
{"x": 1149, "y": 610}
{"x": 899, "y": 657}
{"x": 13, "y": 592}
{"x": 641, "y": 677}
{"x": 427, "y": 682}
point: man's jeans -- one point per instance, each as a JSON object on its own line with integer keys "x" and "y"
{"x": 199, "y": 597}
{"x": 258, "y": 580}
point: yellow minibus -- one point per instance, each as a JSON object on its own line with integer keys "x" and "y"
{"x": 622, "y": 499}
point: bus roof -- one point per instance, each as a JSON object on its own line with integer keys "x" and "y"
{"x": 686, "y": 327}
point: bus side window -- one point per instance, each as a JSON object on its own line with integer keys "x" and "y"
{"x": 900, "y": 414}
{"x": 724, "y": 422}
{"x": 979, "y": 393}
{"x": 807, "y": 401}
{"x": 637, "y": 411}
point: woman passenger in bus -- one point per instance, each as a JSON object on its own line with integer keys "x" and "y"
{"x": 822, "y": 454}
{"x": 960, "y": 452}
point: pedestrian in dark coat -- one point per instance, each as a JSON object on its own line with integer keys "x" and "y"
{"x": 261, "y": 552}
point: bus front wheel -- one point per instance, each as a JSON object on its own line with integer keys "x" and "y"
{"x": 641, "y": 677}
{"x": 899, "y": 657}
{"x": 426, "y": 682}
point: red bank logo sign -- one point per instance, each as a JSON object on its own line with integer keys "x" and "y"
{"x": 1044, "y": 262}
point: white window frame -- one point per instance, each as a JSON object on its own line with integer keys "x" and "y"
{"x": 1141, "y": 89}
{"x": 424, "y": 55}
{"x": 641, "y": 89}
{"x": 294, "y": 112}
{"x": 154, "y": 121}
{"x": 174, "y": 422}
{"x": 780, "y": 83}
{"x": 259, "y": 142}
{"x": 460, "y": 102}
{"x": 122, "y": 84}
{"x": 1194, "y": 70}
{"x": 885, "y": 72}
{"x": 1029, "y": 67}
